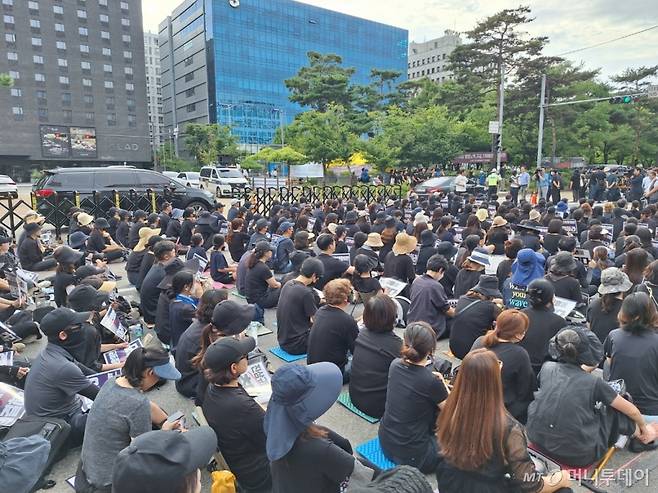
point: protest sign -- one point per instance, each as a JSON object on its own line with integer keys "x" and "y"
{"x": 563, "y": 307}
{"x": 570, "y": 226}
{"x": 7, "y": 358}
{"x": 392, "y": 286}
{"x": 7, "y": 335}
{"x": 11, "y": 405}
{"x": 343, "y": 257}
{"x": 112, "y": 323}
{"x": 349, "y": 241}
{"x": 256, "y": 381}
{"x": 119, "y": 355}
{"x": 519, "y": 297}
{"x": 100, "y": 379}
{"x": 311, "y": 224}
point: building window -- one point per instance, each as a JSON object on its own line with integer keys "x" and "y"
{"x": 83, "y": 31}
{"x": 105, "y": 35}
{"x": 12, "y": 55}
{"x": 66, "y": 99}
{"x": 10, "y": 37}
{"x": 189, "y": 77}
{"x": 85, "y": 66}
{"x": 132, "y": 121}
{"x": 128, "y": 55}
{"x": 68, "y": 116}
{"x": 43, "y": 114}
{"x": 15, "y": 91}
{"x": 41, "y": 97}
{"x": 89, "y": 117}
{"x": 86, "y": 82}
{"x": 102, "y": 3}
{"x": 189, "y": 60}
{"x": 88, "y": 99}
{"x": 82, "y": 14}
{"x": 61, "y": 45}
{"x": 35, "y": 24}
{"x": 58, "y": 9}
{"x": 131, "y": 104}
{"x": 36, "y": 42}
{"x": 62, "y": 62}
{"x": 8, "y": 2}
{"x": 109, "y": 102}
{"x": 14, "y": 74}
{"x": 37, "y": 59}
{"x": 17, "y": 111}
{"x": 39, "y": 77}
{"x": 128, "y": 70}
{"x": 107, "y": 52}
{"x": 107, "y": 68}
{"x": 59, "y": 28}
{"x": 126, "y": 38}
{"x": 190, "y": 92}
{"x": 191, "y": 107}
{"x": 109, "y": 84}
{"x": 124, "y": 5}
{"x": 111, "y": 119}
{"x": 125, "y": 22}
{"x": 84, "y": 48}
{"x": 104, "y": 18}
{"x": 9, "y": 19}
{"x": 33, "y": 5}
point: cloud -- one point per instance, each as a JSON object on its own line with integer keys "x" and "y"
{"x": 569, "y": 25}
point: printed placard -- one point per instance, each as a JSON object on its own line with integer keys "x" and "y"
{"x": 349, "y": 241}
{"x": 392, "y": 286}
{"x": 256, "y": 381}
{"x": 223, "y": 229}
{"x": 112, "y": 323}
{"x": 7, "y": 335}
{"x": 11, "y": 405}
{"x": 414, "y": 255}
{"x": 519, "y": 297}
{"x": 570, "y": 226}
{"x": 6, "y": 358}
{"x": 203, "y": 262}
{"x": 343, "y": 257}
{"x": 119, "y": 355}
{"x": 100, "y": 379}
{"x": 563, "y": 307}
{"x": 458, "y": 237}
{"x": 311, "y": 224}
{"x": 407, "y": 214}
{"x": 609, "y": 228}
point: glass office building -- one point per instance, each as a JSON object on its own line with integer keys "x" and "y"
{"x": 250, "y": 48}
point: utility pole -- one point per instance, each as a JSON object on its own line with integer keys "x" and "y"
{"x": 501, "y": 106}
{"x": 540, "y": 136}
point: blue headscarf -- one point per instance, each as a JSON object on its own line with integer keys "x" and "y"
{"x": 528, "y": 266}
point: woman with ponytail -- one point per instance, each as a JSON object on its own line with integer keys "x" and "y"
{"x": 120, "y": 413}
{"x": 413, "y": 398}
{"x": 494, "y": 459}
{"x": 184, "y": 294}
{"x": 517, "y": 375}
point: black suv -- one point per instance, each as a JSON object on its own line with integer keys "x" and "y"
{"x": 96, "y": 186}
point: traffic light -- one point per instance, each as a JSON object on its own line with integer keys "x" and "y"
{"x": 621, "y": 99}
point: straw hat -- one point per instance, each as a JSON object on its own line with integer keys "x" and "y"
{"x": 482, "y": 215}
{"x": 374, "y": 240}
{"x": 84, "y": 219}
{"x": 499, "y": 221}
{"x": 422, "y": 218}
{"x": 144, "y": 236}
{"x": 535, "y": 215}
{"x": 404, "y": 244}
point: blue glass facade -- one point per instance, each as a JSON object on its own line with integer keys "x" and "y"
{"x": 255, "y": 47}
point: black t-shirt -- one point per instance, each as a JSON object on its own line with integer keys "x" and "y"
{"x": 297, "y": 304}
{"x": 366, "y": 284}
{"x": 566, "y": 287}
{"x": 173, "y": 229}
{"x": 186, "y": 232}
{"x": 123, "y": 230}
{"x": 634, "y": 357}
{"x": 448, "y": 280}
{"x": 237, "y": 245}
{"x": 473, "y": 319}
{"x": 551, "y": 241}
{"x": 133, "y": 235}
{"x": 29, "y": 252}
{"x": 257, "y": 277}
{"x": 544, "y": 324}
{"x": 466, "y": 279}
{"x": 412, "y": 400}
{"x": 333, "y": 269}
{"x": 400, "y": 267}
{"x": 497, "y": 237}
{"x": 602, "y": 323}
{"x": 134, "y": 261}
{"x": 423, "y": 256}
{"x": 373, "y": 354}
{"x": 149, "y": 292}
{"x": 332, "y": 335}
{"x": 315, "y": 464}
{"x": 188, "y": 347}
{"x": 238, "y": 423}
{"x": 503, "y": 271}
{"x": 96, "y": 242}
{"x": 61, "y": 282}
{"x": 519, "y": 380}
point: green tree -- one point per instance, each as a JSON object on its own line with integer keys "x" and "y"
{"x": 6, "y": 80}
{"x": 207, "y": 142}
{"x": 323, "y": 83}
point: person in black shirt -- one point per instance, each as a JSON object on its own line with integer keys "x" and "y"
{"x": 165, "y": 215}
{"x": 237, "y": 239}
{"x": 101, "y": 242}
{"x": 260, "y": 233}
{"x": 398, "y": 264}
{"x": 234, "y": 416}
{"x": 149, "y": 292}
{"x": 206, "y": 225}
{"x": 147, "y": 260}
{"x": 427, "y": 249}
{"x": 519, "y": 380}
{"x": 333, "y": 268}
{"x": 561, "y": 276}
{"x": 189, "y": 219}
{"x": 134, "y": 261}
{"x": 364, "y": 284}
{"x": 262, "y": 288}
{"x": 174, "y": 226}
{"x": 369, "y": 246}
{"x": 65, "y": 279}
{"x": 413, "y": 399}
{"x": 497, "y": 235}
{"x": 334, "y": 331}
{"x": 375, "y": 348}
{"x": 123, "y": 228}
{"x": 297, "y": 306}
{"x": 31, "y": 250}
{"x": 139, "y": 221}
{"x": 544, "y": 324}
{"x": 602, "y": 311}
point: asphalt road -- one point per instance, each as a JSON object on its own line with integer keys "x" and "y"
{"x": 635, "y": 467}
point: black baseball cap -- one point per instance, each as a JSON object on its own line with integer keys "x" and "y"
{"x": 221, "y": 354}
{"x": 60, "y": 319}
{"x": 231, "y": 318}
{"x": 86, "y": 298}
{"x": 158, "y": 461}
{"x": 4, "y": 239}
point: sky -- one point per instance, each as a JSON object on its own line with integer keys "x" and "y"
{"x": 568, "y": 24}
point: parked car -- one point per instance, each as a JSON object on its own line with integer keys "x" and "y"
{"x": 189, "y": 178}
{"x": 8, "y": 187}
{"x": 446, "y": 184}
{"x": 222, "y": 182}
{"x": 105, "y": 180}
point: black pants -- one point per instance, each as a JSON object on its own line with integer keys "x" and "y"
{"x": 45, "y": 264}
{"x": 111, "y": 256}
{"x": 82, "y": 485}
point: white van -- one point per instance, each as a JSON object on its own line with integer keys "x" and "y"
{"x": 222, "y": 182}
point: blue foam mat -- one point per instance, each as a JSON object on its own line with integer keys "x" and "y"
{"x": 280, "y": 353}
{"x": 372, "y": 451}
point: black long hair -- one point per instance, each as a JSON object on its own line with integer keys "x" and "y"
{"x": 133, "y": 368}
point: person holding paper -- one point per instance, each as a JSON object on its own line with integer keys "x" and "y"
{"x": 234, "y": 415}
{"x": 220, "y": 271}
{"x": 333, "y": 267}
{"x": 121, "y": 412}
{"x": 102, "y": 243}
{"x": 31, "y": 251}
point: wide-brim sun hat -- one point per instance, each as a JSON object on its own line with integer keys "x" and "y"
{"x": 374, "y": 240}
{"x": 145, "y": 235}
{"x": 300, "y": 395}
{"x": 535, "y": 215}
{"x": 614, "y": 281}
{"x": 447, "y": 249}
{"x": 498, "y": 222}
{"x": 488, "y": 286}
{"x": 482, "y": 215}
{"x": 479, "y": 256}
{"x": 67, "y": 255}
{"x": 85, "y": 219}
{"x": 404, "y": 243}
{"x": 422, "y": 218}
